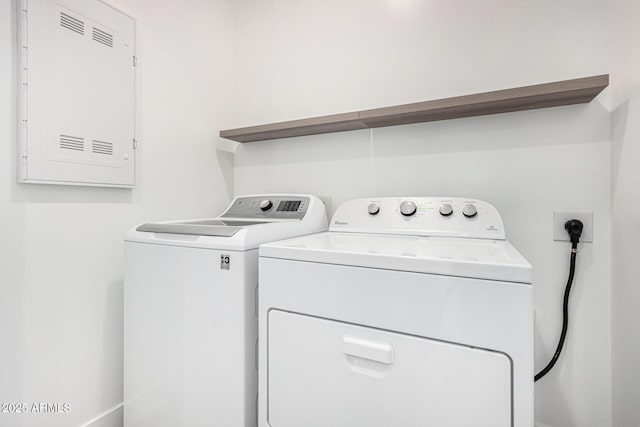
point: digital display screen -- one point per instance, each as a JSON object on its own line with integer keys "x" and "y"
{"x": 289, "y": 206}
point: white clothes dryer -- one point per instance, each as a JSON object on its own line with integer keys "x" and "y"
{"x": 190, "y": 325}
{"x": 408, "y": 312}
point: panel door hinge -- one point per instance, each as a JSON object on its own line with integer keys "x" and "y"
{"x": 135, "y": 143}
{"x": 135, "y": 61}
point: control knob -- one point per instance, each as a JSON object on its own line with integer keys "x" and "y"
{"x": 407, "y": 208}
{"x": 265, "y": 204}
{"x": 373, "y": 208}
{"x": 469, "y": 210}
{"x": 446, "y": 209}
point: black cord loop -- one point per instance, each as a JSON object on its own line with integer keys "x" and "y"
{"x": 565, "y": 314}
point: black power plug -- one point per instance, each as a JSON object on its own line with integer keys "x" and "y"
{"x": 574, "y": 228}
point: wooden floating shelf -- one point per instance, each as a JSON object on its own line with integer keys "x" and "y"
{"x": 567, "y": 92}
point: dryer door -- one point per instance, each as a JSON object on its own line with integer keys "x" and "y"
{"x": 328, "y": 373}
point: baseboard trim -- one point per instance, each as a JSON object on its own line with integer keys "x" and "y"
{"x": 110, "y": 418}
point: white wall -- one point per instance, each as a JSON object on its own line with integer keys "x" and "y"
{"x": 61, "y": 247}
{"x": 625, "y": 140}
{"x": 300, "y": 58}
{"x": 60, "y": 253}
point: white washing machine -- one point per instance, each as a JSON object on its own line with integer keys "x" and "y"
{"x": 190, "y": 322}
{"x": 408, "y": 312}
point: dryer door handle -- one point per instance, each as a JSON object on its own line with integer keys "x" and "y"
{"x": 367, "y": 349}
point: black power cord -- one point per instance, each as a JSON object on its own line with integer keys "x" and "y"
{"x": 574, "y": 228}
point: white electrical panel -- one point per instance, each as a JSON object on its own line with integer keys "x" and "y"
{"x": 76, "y": 95}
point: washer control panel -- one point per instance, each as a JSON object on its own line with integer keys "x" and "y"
{"x": 268, "y": 206}
{"x": 420, "y": 216}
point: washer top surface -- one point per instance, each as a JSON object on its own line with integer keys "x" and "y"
{"x": 245, "y": 224}
{"x": 428, "y": 240}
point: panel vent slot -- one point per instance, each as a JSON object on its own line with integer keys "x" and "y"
{"x": 68, "y": 142}
{"x": 102, "y": 147}
{"x": 102, "y": 37}
{"x": 71, "y": 23}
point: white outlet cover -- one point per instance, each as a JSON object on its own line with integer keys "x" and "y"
{"x": 560, "y": 218}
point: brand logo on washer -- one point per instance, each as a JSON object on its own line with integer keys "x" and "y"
{"x": 225, "y": 262}
{"x": 336, "y": 222}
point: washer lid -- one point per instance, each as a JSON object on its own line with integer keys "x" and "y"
{"x": 247, "y": 222}
{"x": 207, "y": 227}
{"x": 461, "y": 257}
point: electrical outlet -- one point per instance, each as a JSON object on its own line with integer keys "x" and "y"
{"x": 560, "y": 218}
{"x": 327, "y": 205}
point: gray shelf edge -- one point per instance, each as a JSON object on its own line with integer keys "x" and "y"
{"x": 545, "y": 95}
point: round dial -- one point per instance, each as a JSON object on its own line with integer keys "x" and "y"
{"x": 373, "y": 208}
{"x": 407, "y": 208}
{"x": 469, "y": 210}
{"x": 446, "y": 209}
{"x": 265, "y": 204}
